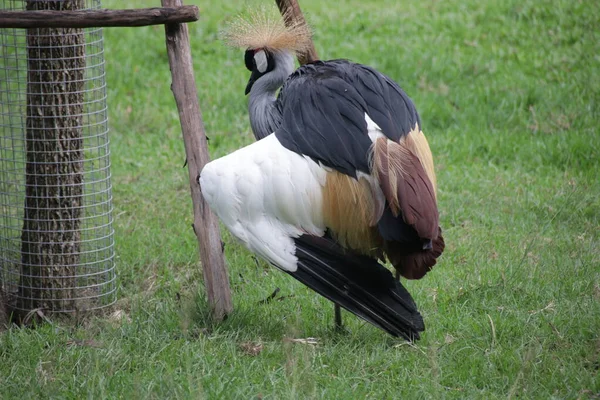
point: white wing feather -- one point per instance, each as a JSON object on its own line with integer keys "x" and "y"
{"x": 266, "y": 195}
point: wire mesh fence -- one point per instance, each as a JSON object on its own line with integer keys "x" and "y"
{"x": 56, "y": 234}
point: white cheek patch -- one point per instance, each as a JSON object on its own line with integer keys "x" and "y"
{"x": 261, "y": 61}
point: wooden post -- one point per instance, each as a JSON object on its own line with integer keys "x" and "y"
{"x": 206, "y": 225}
{"x": 291, "y": 11}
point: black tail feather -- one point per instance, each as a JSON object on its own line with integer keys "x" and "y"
{"x": 359, "y": 284}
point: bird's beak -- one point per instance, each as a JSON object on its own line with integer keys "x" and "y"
{"x": 255, "y": 75}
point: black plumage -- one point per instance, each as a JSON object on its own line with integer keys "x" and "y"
{"x": 359, "y": 284}
{"x": 323, "y": 108}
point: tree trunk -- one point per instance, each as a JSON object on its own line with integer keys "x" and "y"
{"x": 54, "y": 163}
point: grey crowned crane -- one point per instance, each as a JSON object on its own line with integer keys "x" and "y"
{"x": 341, "y": 179}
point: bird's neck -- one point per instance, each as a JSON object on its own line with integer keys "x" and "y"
{"x": 265, "y": 115}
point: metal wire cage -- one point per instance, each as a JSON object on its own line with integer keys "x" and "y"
{"x": 56, "y": 234}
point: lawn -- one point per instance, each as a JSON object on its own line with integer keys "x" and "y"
{"x": 509, "y": 95}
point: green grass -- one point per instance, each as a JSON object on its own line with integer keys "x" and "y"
{"x": 510, "y": 100}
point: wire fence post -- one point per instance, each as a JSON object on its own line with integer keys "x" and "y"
{"x": 56, "y": 235}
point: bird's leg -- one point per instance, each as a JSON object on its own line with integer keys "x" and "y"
{"x": 397, "y": 276}
{"x": 338, "y": 316}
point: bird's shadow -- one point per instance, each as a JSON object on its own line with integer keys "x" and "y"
{"x": 262, "y": 322}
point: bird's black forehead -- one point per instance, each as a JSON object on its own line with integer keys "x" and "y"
{"x": 249, "y": 59}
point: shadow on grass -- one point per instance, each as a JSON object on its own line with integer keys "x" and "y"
{"x": 259, "y": 322}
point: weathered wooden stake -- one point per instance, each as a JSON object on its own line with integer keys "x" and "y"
{"x": 206, "y": 225}
{"x": 290, "y": 9}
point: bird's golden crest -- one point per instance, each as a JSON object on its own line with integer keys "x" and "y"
{"x": 263, "y": 29}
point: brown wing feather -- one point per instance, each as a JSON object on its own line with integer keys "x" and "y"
{"x": 417, "y": 143}
{"x": 406, "y": 186}
{"x": 417, "y": 199}
{"x": 406, "y": 175}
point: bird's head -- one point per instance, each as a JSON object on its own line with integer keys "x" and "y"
{"x": 262, "y": 61}
{"x": 258, "y": 62}
{"x": 270, "y": 44}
